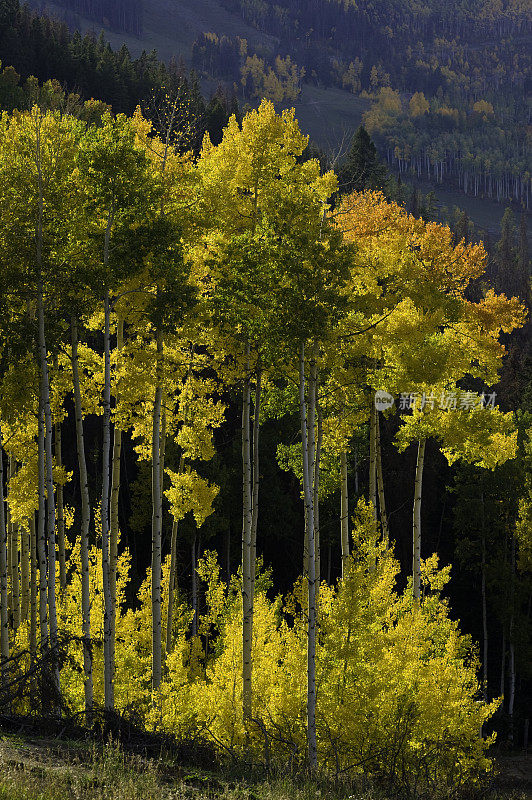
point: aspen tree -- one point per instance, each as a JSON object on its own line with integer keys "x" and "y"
{"x": 432, "y": 336}
{"x": 85, "y": 523}
{"x": 38, "y": 156}
{"x": 4, "y": 619}
{"x": 13, "y": 554}
{"x": 113, "y": 504}
{"x": 60, "y": 508}
{"x": 251, "y": 181}
{"x": 114, "y": 173}
{"x": 344, "y": 512}
{"x": 380, "y": 479}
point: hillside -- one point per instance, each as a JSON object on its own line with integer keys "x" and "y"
{"x": 442, "y": 132}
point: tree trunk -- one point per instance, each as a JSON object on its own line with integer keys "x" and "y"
{"x": 172, "y": 578}
{"x": 4, "y": 616}
{"x": 380, "y": 481}
{"x": 85, "y": 525}
{"x": 256, "y": 483}
{"x": 317, "y": 461}
{"x": 24, "y": 573}
{"x": 113, "y": 513}
{"x": 194, "y": 585}
{"x": 503, "y": 664}
{"x": 33, "y": 589}
{"x": 511, "y": 659}
{"x": 484, "y": 605}
{"x": 106, "y": 445}
{"x": 373, "y": 457}
{"x": 13, "y": 548}
{"x": 307, "y": 423}
{"x": 247, "y": 525}
{"x": 41, "y": 549}
{"x": 171, "y": 590}
{"x": 60, "y": 510}
{"x": 344, "y": 513}
{"x": 156, "y": 525}
{"x": 416, "y": 527}
{"x": 49, "y": 483}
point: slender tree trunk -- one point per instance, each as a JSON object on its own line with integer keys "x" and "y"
{"x": 194, "y": 584}
{"x": 33, "y": 589}
{"x": 416, "y": 527}
{"x": 171, "y": 589}
{"x": 373, "y": 457}
{"x": 503, "y": 663}
{"x": 344, "y": 513}
{"x": 511, "y": 659}
{"x": 307, "y": 424}
{"x": 4, "y": 615}
{"x": 317, "y": 462}
{"x": 113, "y": 512}
{"x": 156, "y": 526}
{"x": 484, "y": 604}
{"x": 172, "y": 577}
{"x": 41, "y": 551}
{"x": 106, "y": 445}
{"x": 13, "y": 552}
{"x": 49, "y": 483}
{"x": 247, "y": 524}
{"x": 85, "y": 525}
{"x": 380, "y": 481}
{"x": 256, "y": 483}
{"x": 355, "y": 454}
{"x": 60, "y": 510}
{"x": 24, "y": 573}
{"x": 228, "y": 554}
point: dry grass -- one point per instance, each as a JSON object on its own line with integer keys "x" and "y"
{"x": 40, "y": 769}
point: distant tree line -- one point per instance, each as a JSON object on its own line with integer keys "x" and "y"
{"x": 35, "y": 49}
{"x": 119, "y": 15}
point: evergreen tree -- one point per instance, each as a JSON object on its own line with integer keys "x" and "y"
{"x": 362, "y": 168}
{"x": 505, "y": 255}
{"x": 523, "y": 262}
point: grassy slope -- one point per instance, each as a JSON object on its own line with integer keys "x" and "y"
{"x": 329, "y": 116}
{"x": 53, "y": 769}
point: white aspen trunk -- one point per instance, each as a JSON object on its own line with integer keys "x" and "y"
{"x": 317, "y": 461}
{"x": 60, "y": 510}
{"x": 33, "y": 589}
{"x": 511, "y": 653}
{"x": 4, "y": 614}
{"x": 380, "y": 481}
{"x": 108, "y": 664}
{"x": 256, "y": 484}
{"x": 41, "y": 543}
{"x": 24, "y": 573}
{"x": 85, "y": 525}
{"x": 171, "y": 589}
{"x": 13, "y": 550}
{"x": 373, "y": 457}
{"x": 308, "y": 458}
{"x": 194, "y": 585}
{"x": 484, "y": 606}
{"x": 113, "y": 514}
{"x": 49, "y": 483}
{"x": 344, "y": 513}
{"x": 247, "y": 523}
{"x": 172, "y": 578}
{"x": 156, "y": 526}
{"x": 228, "y": 554}
{"x": 416, "y": 526}
{"x": 355, "y": 454}
{"x": 503, "y": 664}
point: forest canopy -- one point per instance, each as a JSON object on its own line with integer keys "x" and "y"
{"x": 155, "y": 303}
